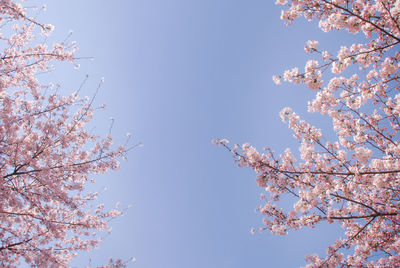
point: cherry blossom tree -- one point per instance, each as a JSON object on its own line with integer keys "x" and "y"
{"x": 353, "y": 181}
{"x": 46, "y": 155}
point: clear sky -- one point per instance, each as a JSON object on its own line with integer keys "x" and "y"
{"x": 178, "y": 74}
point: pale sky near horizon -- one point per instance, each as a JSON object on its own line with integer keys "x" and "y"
{"x": 178, "y": 74}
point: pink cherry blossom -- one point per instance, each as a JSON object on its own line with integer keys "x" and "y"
{"x": 47, "y": 155}
{"x": 352, "y": 181}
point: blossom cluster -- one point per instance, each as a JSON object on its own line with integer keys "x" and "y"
{"x": 46, "y": 154}
{"x": 354, "y": 180}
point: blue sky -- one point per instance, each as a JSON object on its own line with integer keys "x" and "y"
{"x": 178, "y": 74}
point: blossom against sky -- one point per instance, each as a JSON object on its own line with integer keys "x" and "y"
{"x": 178, "y": 74}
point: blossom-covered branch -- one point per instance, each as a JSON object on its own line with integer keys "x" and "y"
{"x": 46, "y": 154}
{"x": 354, "y": 180}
